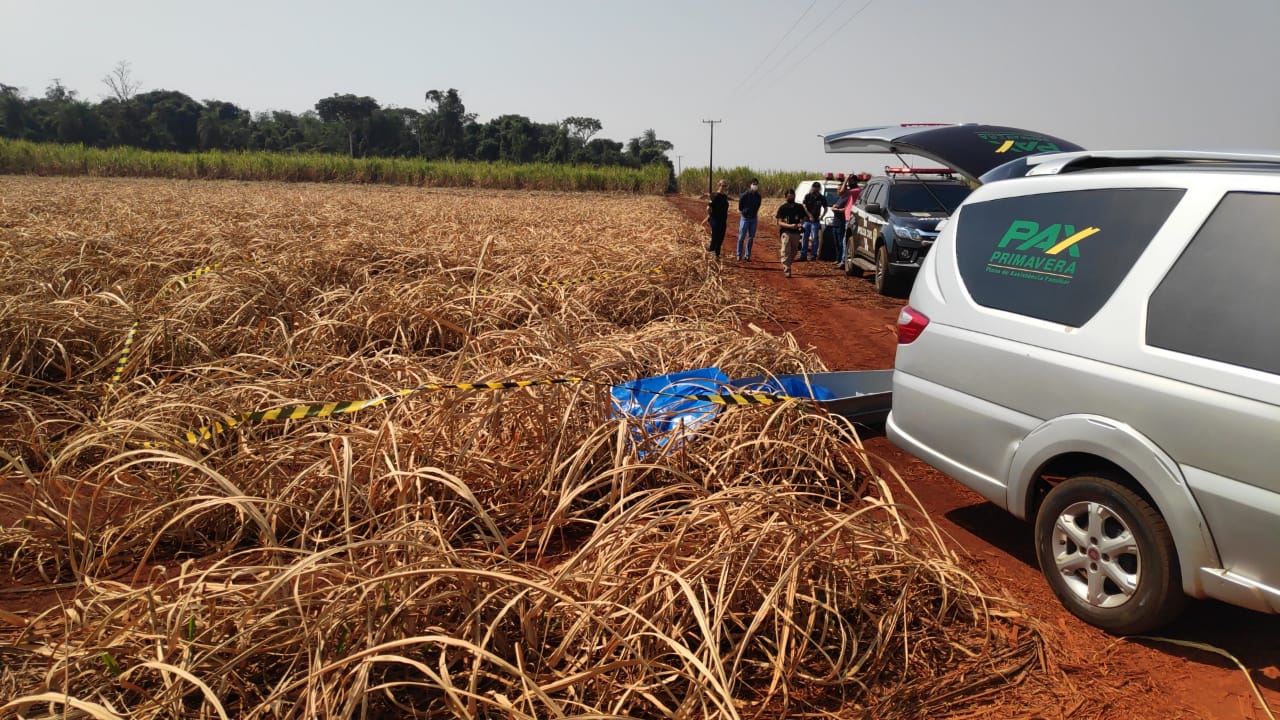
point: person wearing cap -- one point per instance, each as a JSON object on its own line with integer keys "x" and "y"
{"x": 717, "y": 217}
{"x": 749, "y": 209}
{"x": 791, "y": 217}
{"x": 815, "y": 204}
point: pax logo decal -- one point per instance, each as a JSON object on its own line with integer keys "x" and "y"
{"x": 1032, "y": 252}
{"x": 1019, "y": 144}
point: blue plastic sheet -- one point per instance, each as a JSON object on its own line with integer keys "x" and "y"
{"x": 657, "y": 403}
{"x": 667, "y": 416}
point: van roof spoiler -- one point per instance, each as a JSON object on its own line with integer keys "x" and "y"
{"x": 1058, "y": 163}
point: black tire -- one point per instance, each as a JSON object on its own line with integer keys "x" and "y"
{"x": 886, "y": 284}
{"x": 850, "y": 267}
{"x": 1119, "y": 571}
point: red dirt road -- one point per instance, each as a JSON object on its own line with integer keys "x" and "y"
{"x": 850, "y": 327}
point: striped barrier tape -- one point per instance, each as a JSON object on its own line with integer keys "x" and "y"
{"x": 318, "y": 410}
{"x": 196, "y": 437}
{"x": 741, "y": 398}
{"x": 124, "y": 355}
{"x": 123, "y": 361}
{"x": 182, "y": 282}
{"x": 585, "y": 279}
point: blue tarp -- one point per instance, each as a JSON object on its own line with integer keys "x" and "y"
{"x": 656, "y": 402}
{"x": 666, "y": 416}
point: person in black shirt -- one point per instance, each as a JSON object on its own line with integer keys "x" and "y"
{"x": 749, "y": 209}
{"x": 717, "y": 217}
{"x": 815, "y": 204}
{"x": 837, "y": 222}
{"x": 791, "y": 217}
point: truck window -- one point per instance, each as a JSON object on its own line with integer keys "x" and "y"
{"x": 919, "y": 197}
{"x": 1057, "y": 256}
{"x": 1215, "y": 301}
{"x": 871, "y": 194}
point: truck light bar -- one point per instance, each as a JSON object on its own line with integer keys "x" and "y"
{"x": 917, "y": 171}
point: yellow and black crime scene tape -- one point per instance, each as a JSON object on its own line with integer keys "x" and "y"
{"x": 124, "y": 355}
{"x": 598, "y": 277}
{"x": 724, "y": 398}
{"x": 182, "y": 282}
{"x": 319, "y": 410}
{"x": 123, "y": 361}
{"x": 752, "y": 398}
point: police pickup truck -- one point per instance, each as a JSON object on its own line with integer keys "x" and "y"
{"x": 894, "y": 223}
{"x": 896, "y": 218}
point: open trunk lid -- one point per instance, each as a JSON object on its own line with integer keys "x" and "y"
{"x": 971, "y": 149}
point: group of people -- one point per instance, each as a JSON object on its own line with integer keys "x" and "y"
{"x": 799, "y": 224}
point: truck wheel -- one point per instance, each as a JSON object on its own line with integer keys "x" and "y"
{"x": 850, "y": 268}
{"x": 885, "y": 284}
{"x": 1108, "y": 555}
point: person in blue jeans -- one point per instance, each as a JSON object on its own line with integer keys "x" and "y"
{"x": 749, "y": 208}
{"x": 837, "y": 223}
{"x": 815, "y": 204}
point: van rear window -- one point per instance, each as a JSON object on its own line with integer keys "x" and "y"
{"x": 1057, "y": 256}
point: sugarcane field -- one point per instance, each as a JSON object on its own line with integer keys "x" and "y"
{"x": 292, "y": 450}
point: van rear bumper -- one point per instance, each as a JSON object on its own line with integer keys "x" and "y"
{"x": 987, "y": 487}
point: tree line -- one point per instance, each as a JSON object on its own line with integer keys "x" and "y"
{"x": 348, "y": 124}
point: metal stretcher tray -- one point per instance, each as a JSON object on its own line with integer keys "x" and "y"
{"x": 861, "y": 396}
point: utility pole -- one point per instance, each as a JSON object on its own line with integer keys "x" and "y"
{"x": 678, "y": 165}
{"x": 711, "y": 159}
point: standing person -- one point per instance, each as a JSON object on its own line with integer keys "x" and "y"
{"x": 851, "y": 184}
{"x": 855, "y": 190}
{"x": 717, "y": 217}
{"x": 791, "y": 217}
{"x": 749, "y": 208}
{"x": 815, "y": 203}
{"x": 837, "y": 221}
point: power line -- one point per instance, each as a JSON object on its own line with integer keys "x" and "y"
{"x": 800, "y": 42}
{"x": 746, "y": 78}
{"x": 827, "y": 39}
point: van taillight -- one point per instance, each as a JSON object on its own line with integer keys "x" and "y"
{"x": 910, "y": 324}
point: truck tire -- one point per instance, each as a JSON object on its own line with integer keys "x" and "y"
{"x": 886, "y": 284}
{"x": 850, "y": 267}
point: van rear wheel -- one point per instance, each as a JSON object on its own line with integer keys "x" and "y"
{"x": 1108, "y": 555}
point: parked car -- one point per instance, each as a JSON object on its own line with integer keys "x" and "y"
{"x": 895, "y": 219}
{"x": 894, "y": 223}
{"x": 831, "y": 191}
{"x": 1088, "y": 348}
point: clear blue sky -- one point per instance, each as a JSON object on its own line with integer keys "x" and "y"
{"x": 1102, "y": 73}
